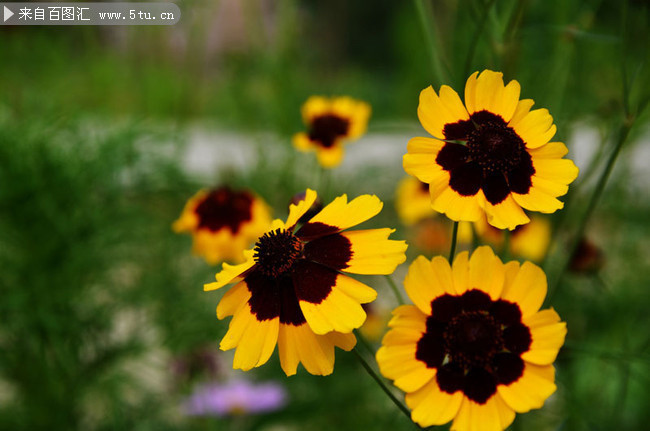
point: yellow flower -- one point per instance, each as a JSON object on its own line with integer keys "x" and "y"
{"x": 529, "y": 241}
{"x": 291, "y": 291}
{"x": 330, "y": 123}
{"x": 475, "y": 348}
{"x": 491, "y": 155}
{"x": 223, "y": 223}
{"x": 412, "y": 201}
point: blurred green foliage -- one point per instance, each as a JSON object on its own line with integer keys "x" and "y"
{"x": 99, "y": 299}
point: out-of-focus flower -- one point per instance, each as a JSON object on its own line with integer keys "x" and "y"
{"x": 475, "y": 348}
{"x": 236, "y": 397}
{"x": 412, "y": 201}
{"x": 430, "y": 235}
{"x": 290, "y": 290}
{"x": 223, "y": 223}
{"x": 331, "y": 123}
{"x": 375, "y": 323}
{"x": 491, "y": 155}
{"x": 587, "y": 259}
{"x": 529, "y": 241}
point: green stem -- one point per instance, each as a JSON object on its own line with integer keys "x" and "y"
{"x": 362, "y": 340}
{"x": 428, "y": 28}
{"x": 505, "y": 252}
{"x": 477, "y": 34}
{"x": 454, "y": 238}
{"x": 623, "y": 133}
{"x": 381, "y": 384}
{"x": 396, "y": 290}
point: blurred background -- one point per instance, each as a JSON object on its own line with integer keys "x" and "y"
{"x": 105, "y": 132}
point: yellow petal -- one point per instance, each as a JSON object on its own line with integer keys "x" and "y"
{"x": 506, "y": 214}
{"x": 314, "y": 107}
{"x": 552, "y": 150}
{"x": 486, "y": 272}
{"x": 342, "y": 341}
{"x": 398, "y": 363}
{"x": 431, "y": 406}
{"x": 299, "y": 344}
{"x": 330, "y": 157}
{"x": 487, "y": 92}
{"x": 527, "y": 289}
{"x": 427, "y": 280}
{"x": 408, "y": 316}
{"x": 435, "y": 112}
{"x": 235, "y": 298}
{"x": 338, "y": 312}
{"x": 302, "y": 142}
{"x": 561, "y": 171}
{"x": 522, "y": 109}
{"x": 373, "y": 252}
{"x": 536, "y": 128}
{"x": 470, "y": 92}
{"x": 537, "y": 200}
{"x": 547, "y": 333}
{"x": 460, "y": 272}
{"x": 531, "y": 389}
{"x": 254, "y": 340}
{"x": 298, "y": 210}
{"x": 344, "y": 214}
{"x": 455, "y": 206}
{"x": 420, "y": 159}
{"x": 231, "y": 273}
{"x": 494, "y": 415}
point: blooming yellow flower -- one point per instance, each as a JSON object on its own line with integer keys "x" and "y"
{"x": 412, "y": 201}
{"x": 491, "y": 155}
{"x": 223, "y": 223}
{"x": 475, "y": 348}
{"x": 330, "y": 123}
{"x": 291, "y": 290}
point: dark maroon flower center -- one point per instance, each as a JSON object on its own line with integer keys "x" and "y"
{"x": 475, "y": 343}
{"x": 224, "y": 208}
{"x": 495, "y": 147}
{"x": 293, "y": 268}
{"x": 276, "y": 252}
{"x": 473, "y": 338}
{"x": 326, "y": 129}
{"x": 491, "y": 157}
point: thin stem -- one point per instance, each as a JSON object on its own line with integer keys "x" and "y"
{"x": 362, "y": 340}
{"x": 477, "y": 34}
{"x": 454, "y": 238}
{"x": 428, "y": 28}
{"x": 509, "y": 36}
{"x": 324, "y": 182}
{"x": 396, "y": 291}
{"x": 381, "y": 383}
{"x": 624, "y": 131}
{"x": 505, "y": 252}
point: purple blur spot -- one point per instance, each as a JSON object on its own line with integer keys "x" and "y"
{"x": 235, "y": 397}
